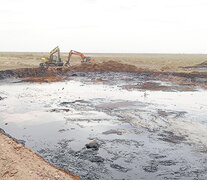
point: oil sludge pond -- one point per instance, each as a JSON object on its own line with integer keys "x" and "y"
{"x": 144, "y": 128}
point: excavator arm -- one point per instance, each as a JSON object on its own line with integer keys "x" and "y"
{"x": 55, "y": 50}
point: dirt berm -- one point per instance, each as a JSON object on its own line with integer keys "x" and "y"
{"x": 110, "y": 66}
{"x": 52, "y": 74}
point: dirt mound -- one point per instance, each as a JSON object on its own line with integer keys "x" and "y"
{"x": 110, "y": 66}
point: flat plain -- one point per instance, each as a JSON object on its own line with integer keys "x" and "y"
{"x": 154, "y": 62}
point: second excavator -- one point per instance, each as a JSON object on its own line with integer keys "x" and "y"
{"x": 83, "y": 58}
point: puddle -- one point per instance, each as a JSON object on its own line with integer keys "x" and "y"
{"x": 142, "y": 133}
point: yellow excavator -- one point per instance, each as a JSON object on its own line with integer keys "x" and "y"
{"x": 53, "y": 60}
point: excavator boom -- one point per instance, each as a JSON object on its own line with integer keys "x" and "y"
{"x": 55, "y": 50}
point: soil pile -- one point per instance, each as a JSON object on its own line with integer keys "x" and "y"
{"x": 110, "y": 66}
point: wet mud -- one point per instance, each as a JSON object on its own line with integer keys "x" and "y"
{"x": 111, "y": 125}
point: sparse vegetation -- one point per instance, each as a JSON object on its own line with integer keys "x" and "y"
{"x": 157, "y": 62}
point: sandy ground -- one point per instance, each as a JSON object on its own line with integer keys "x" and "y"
{"x": 18, "y": 162}
{"x": 155, "y": 62}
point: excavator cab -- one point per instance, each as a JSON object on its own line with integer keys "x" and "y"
{"x": 53, "y": 60}
{"x": 88, "y": 59}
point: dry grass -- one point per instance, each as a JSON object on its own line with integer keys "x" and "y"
{"x": 156, "y": 62}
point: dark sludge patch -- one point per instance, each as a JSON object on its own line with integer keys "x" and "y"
{"x": 72, "y": 102}
{"x": 152, "y": 167}
{"x": 176, "y": 114}
{"x": 157, "y": 156}
{"x": 59, "y": 110}
{"x": 167, "y": 163}
{"x": 114, "y": 131}
{"x": 2, "y": 98}
{"x": 119, "y": 168}
{"x": 169, "y": 136}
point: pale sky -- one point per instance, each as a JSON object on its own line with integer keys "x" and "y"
{"x": 113, "y": 26}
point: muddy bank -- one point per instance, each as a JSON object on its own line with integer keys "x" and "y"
{"x": 18, "y": 162}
